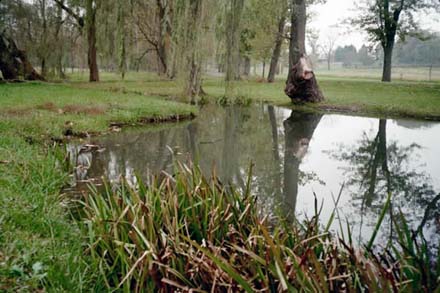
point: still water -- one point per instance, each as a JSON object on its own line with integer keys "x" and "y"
{"x": 297, "y": 157}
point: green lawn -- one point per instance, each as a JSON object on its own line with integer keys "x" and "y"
{"x": 363, "y": 96}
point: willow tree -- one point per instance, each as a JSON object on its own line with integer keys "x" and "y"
{"x": 383, "y": 20}
{"x": 234, "y": 10}
{"x": 154, "y": 19}
{"x": 192, "y": 20}
{"x": 87, "y": 21}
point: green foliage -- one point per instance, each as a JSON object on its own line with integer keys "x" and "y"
{"x": 188, "y": 232}
{"x": 384, "y": 19}
{"x": 416, "y": 51}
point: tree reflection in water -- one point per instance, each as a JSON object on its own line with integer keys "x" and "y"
{"x": 298, "y": 131}
{"x": 378, "y": 167}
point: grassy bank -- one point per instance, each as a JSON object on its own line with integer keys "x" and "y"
{"x": 39, "y": 244}
{"x": 343, "y": 94}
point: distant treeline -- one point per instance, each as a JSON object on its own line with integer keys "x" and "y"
{"x": 412, "y": 51}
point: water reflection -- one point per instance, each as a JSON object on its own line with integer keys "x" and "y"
{"x": 296, "y": 155}
{"x": 298, "y": 129}
{"x": 378, "y": 167}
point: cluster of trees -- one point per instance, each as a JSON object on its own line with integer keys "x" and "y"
{"x": 412, "y": 51}
{"x": 349, "y": 55}
{"x": 162, "y": 35}
{"x": 178, "y": 38}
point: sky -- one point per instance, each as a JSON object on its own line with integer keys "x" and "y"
{"x": 326, "y": 18}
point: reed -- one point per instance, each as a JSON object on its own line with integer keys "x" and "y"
{"x": 191, "y": 233}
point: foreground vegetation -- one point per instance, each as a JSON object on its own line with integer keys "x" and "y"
{"x": 186, "y": 232}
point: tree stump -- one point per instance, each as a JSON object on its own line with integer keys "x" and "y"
{"x": 301, "y": 85}
{"x": 14, "y": 62}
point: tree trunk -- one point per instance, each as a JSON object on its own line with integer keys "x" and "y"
{"x": 192, "y": 42}
{"x": 430, "y": 72}
{"x": 297, "y": 46}
{"x": 388, "y": 60}
{"x": 247, "y": 66}
{"x": 277, "y": 50}
{"x": 14, "y": 62}
{"x": 233, "y": 19}
{"x": 59, "y": 42}
{"x": 121, "y": 40}
{"x": 328, "y": 62}
{"x": 264, "y": 69}
{"x": 91, "y": 38}
{"x": 301, "y": 84}
{"x": 164, "y": 38}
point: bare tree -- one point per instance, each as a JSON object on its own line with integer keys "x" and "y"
{"x": 328, "y": 48}
{"x": 88, "y": 21}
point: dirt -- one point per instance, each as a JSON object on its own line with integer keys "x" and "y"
{"x": 73, "y": 109}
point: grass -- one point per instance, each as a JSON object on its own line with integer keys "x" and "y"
{"x": 189, "y": 233}
{"x": 361, "y": 96}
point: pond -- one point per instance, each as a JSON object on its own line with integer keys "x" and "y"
{"x": 297, "y": 157}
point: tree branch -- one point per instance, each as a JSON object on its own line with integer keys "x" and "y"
{"x": 72, "y": 13}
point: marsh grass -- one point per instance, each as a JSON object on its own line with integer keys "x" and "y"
{"x": 189, "y": 233}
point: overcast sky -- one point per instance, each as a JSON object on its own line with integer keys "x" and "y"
{"x": 327, "y": 16}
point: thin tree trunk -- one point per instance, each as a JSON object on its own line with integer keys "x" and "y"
{"x": 247, "y": 66}
{"x": 164, "y": 37}
{"x": 388, "y": 60}
{"x": 91, "y": 38}
{"x": 264, "y": 69}
{"x": 121, "y": 40}
{"x": 297, "y": 32}
{"x": 42, "y": 48}
{"x": 430, "y": 73}
{"x": 60, "y": 45}
{"x": 277, "y": 50}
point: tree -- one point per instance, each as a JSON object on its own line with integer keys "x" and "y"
{"x": 328, "y": 49}
{"x": 313, "y": 42}
{"x": 155, "y": 22}
{"x": 279, "y": 38}
{"x": 88, "y": 21}
{"x": 365, "y": 57}
{"x": 383, "y": 20}
{"x": 234, "y": 10}
{"x": 301, "y": 83}
{"x": 347, "y": 55}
